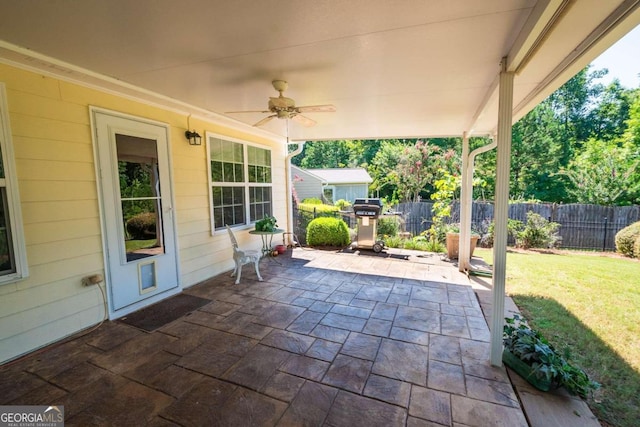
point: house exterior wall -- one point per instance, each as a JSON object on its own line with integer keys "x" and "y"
{"x": 52, "y": 141}
{"x": 310, "y": 185}
{"x": 350, "y": 192}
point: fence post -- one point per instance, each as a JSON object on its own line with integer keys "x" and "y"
{"x": 604, "y": 241}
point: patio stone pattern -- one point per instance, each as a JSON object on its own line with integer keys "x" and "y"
{"x": 323, "y": 341}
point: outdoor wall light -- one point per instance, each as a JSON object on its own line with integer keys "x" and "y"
{"x": 193, "y": 137}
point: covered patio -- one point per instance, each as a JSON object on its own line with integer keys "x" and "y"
{"x": 333, "y": 339}
{"x": 330, "y": 338}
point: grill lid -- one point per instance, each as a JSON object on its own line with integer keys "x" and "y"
{"x": 367, "y": 207}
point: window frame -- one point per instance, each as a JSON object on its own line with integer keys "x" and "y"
{"x": 10, "y": 183}
{"x": 247, "y": 185}
{"x": 325, "y": 189}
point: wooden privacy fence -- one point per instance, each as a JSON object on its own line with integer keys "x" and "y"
{"x": 581, "y": 226}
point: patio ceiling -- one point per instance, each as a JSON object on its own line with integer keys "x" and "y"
{"x": 392, "y": 69}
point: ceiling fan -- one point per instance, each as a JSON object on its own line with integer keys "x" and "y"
{"x": 285, "y": 108}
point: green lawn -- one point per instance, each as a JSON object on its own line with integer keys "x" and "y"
{"x": 134, "y": 245}
{"x": 590, "y": 305}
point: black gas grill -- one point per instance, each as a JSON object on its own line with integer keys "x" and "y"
{"x": 367, "y": 207}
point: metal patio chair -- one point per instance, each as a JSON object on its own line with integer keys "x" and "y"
{"x": 242, "y": 257}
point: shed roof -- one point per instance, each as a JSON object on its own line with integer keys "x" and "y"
{"x": 342, "y": 175}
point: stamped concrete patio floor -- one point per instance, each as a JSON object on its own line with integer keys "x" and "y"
{"x": 336, "y": 339}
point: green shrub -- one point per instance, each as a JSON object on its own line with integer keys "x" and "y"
{"x": 318, "y": 209}
{"x": 636, "y": 247}
{"x": 434, "y": 246}
{"x": 312, "y": 201}
{"x": 513, "y": 228}
{"x": 626, "y": 238}
{"x": 308, "y": 212}
{"x": 342, "y": 204}
{"x": 388, "y": 226}
{"x": 142, "y": 226}
{"x": 327, "y": 232}
{"x": 538, "y": 233}
{"x": 394, "y": 242}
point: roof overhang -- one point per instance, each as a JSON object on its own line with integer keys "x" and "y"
{"x": 411, "y": 69}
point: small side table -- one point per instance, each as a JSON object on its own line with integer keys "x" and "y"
{"x": 267, "y": 239}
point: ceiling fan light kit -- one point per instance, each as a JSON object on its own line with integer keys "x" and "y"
{"x": 285, "y": 108}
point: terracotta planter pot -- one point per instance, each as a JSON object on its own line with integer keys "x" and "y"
{"x": 453, "y": 245}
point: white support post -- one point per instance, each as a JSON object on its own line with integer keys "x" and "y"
{"x": 466, "y": 200}
{"x": 501, "y": 210}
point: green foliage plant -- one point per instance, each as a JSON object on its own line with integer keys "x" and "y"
{"x": 604, "y": 173}
{"x": 547, "y": 363}
{"x": 307, "y": 212}
{"x": 327, "y": 232}
{"x": 626, "y": 240}
{"x": 538, "y": 233}
{"x": 319, "y": 209}
{"x": 342, "y": 204}
{"x": 142, "y": 226}
{"x": 446, "y": 188}
{"x": 268, "y": 223}
{"x": 434, "y": 246}
{"x": 636, "y": 247}
{"x": 394, "y": 242}
{"x": 312, "y": 201}
{"x": 388, "y": 226}
{"x": 514, "y": 227}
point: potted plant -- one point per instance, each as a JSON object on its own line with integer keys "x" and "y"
{"x": 536, "y": 360}
{"x": 453, "y": 241}
{"x": 268, "y": 223}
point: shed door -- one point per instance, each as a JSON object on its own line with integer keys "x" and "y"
{"x": 137, "y": 211}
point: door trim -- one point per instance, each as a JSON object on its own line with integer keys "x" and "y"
{"x": 114, "y": 314}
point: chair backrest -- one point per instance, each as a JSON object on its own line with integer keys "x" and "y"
{"x": 234, "y": 242}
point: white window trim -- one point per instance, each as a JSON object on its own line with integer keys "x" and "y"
{"x": 333, "y": 191}
{"x": 246, "y": 184}
{"x": 13, "y": 195}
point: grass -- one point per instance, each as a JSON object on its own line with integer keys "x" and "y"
{"x": 589, "y": 305}
{"x": 134, "y": 245}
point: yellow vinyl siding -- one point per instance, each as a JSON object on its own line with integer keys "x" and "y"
{"x": 50, "y": 150}
{"x": 55, "y": 231}
{"x": 45, "y": 253}
{"x": 58, "y": 210}
{"x": 52, "y": 140}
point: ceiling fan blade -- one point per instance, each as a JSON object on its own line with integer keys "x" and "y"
{"x": 317, "y": 109}
{"x": 265, "y": 120}
{"x": 247, "y": 111}
{"x": 303, "y": 120}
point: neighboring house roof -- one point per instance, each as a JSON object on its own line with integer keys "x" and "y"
{"x": 342, "y": 175}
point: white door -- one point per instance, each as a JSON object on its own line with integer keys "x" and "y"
{"x": 138, "y": 224}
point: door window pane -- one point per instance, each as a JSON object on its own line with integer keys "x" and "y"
{"x": 140, "y": 197}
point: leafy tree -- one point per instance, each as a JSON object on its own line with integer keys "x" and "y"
{"x": 632, "y": 132}
{"x": 607, "y": 119}
{"x": 323, "y": 154}
{"x": 571, "y": 104}
{"x": 385, "y": 160}
{"x": 604, "y": 174}
{"x": 416, "y": 169}
{"x": 337, "y": 154}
